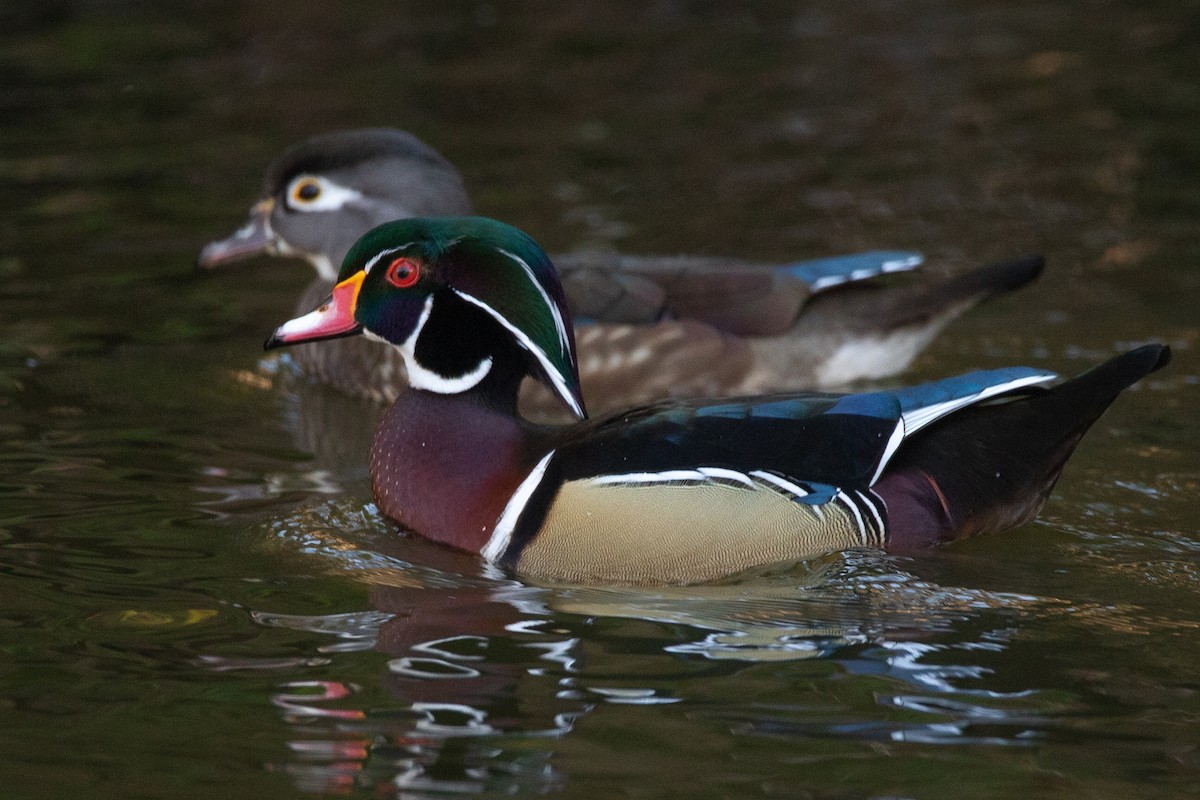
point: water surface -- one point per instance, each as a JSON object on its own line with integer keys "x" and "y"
{"x": 198, "y": 598}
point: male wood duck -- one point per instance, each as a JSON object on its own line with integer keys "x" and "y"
{"x": 676, "y": 491}
{"x": 657, "y": 327}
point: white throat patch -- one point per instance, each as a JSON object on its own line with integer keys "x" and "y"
{"x": 421, "y": 377}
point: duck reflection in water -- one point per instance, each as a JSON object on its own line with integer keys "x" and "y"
{"x": 477, "y": 664}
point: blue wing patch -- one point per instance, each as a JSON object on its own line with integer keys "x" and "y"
{"x": 789, "y": 407}
{"x": 921, "y": 405}
{"x": 964, "y": 386}
{"x": 824, "y": 273}
{"x": 881, "y": 405}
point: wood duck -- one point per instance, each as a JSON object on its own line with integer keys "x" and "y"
{"x": 653, "y": 326}
{"x": 679, "y": 491}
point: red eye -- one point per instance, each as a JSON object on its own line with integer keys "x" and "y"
{"x": 403, "y": 273}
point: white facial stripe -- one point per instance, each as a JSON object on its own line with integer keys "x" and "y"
{"x": 560, "y": 385}
{"x": 375, "y": 259}
{"x": 421, "y": 377}
{"x": 409, "y": 344}
{"x": 501, "y": 537}
{"x": 559, "y": 324}
{"x": 331, "y": 198}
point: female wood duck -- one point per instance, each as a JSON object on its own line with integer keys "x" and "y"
{"x": 677, "y": 491}
{"x": 675, "y": 326}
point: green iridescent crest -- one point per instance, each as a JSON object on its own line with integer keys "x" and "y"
{"x": 497, "y": 268}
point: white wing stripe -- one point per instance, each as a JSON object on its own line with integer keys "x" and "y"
{"x": 898, "y": 434}
{"x": 920, "y": 417}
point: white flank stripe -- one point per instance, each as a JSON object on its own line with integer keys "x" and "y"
{"x": 560, "y": 384}
{"x": 870, "y": 504}
{"x": 849, "y": 503}
{"x": 669, "y": 476}
{"x": 493, "y": 551}
{"x": 786, "y": 485}
{"x": 727, "y": 474}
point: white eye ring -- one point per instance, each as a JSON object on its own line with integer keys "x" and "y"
{"x": 328, "y": 196}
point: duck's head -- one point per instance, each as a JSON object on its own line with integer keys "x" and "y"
{"x": 469, "y": 302}
{"x": 321, "y": 195}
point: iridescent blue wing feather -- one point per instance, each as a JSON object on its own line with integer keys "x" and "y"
{"x": 836, "y": 440}
{"x": 825, "y": 273}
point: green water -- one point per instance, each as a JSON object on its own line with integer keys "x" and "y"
{"x": 197, "y": 599}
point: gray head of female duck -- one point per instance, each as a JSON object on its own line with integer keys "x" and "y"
{"x": 321, "y": 195}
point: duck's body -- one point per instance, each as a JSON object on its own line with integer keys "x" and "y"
{"x": 684, "y": 493}
{"x": 673, "y": 492}
{"x": 655, "y": 326}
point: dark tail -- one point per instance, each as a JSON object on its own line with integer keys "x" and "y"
{"x": 995, "y": 279}
{"x": 990, "y": 467}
